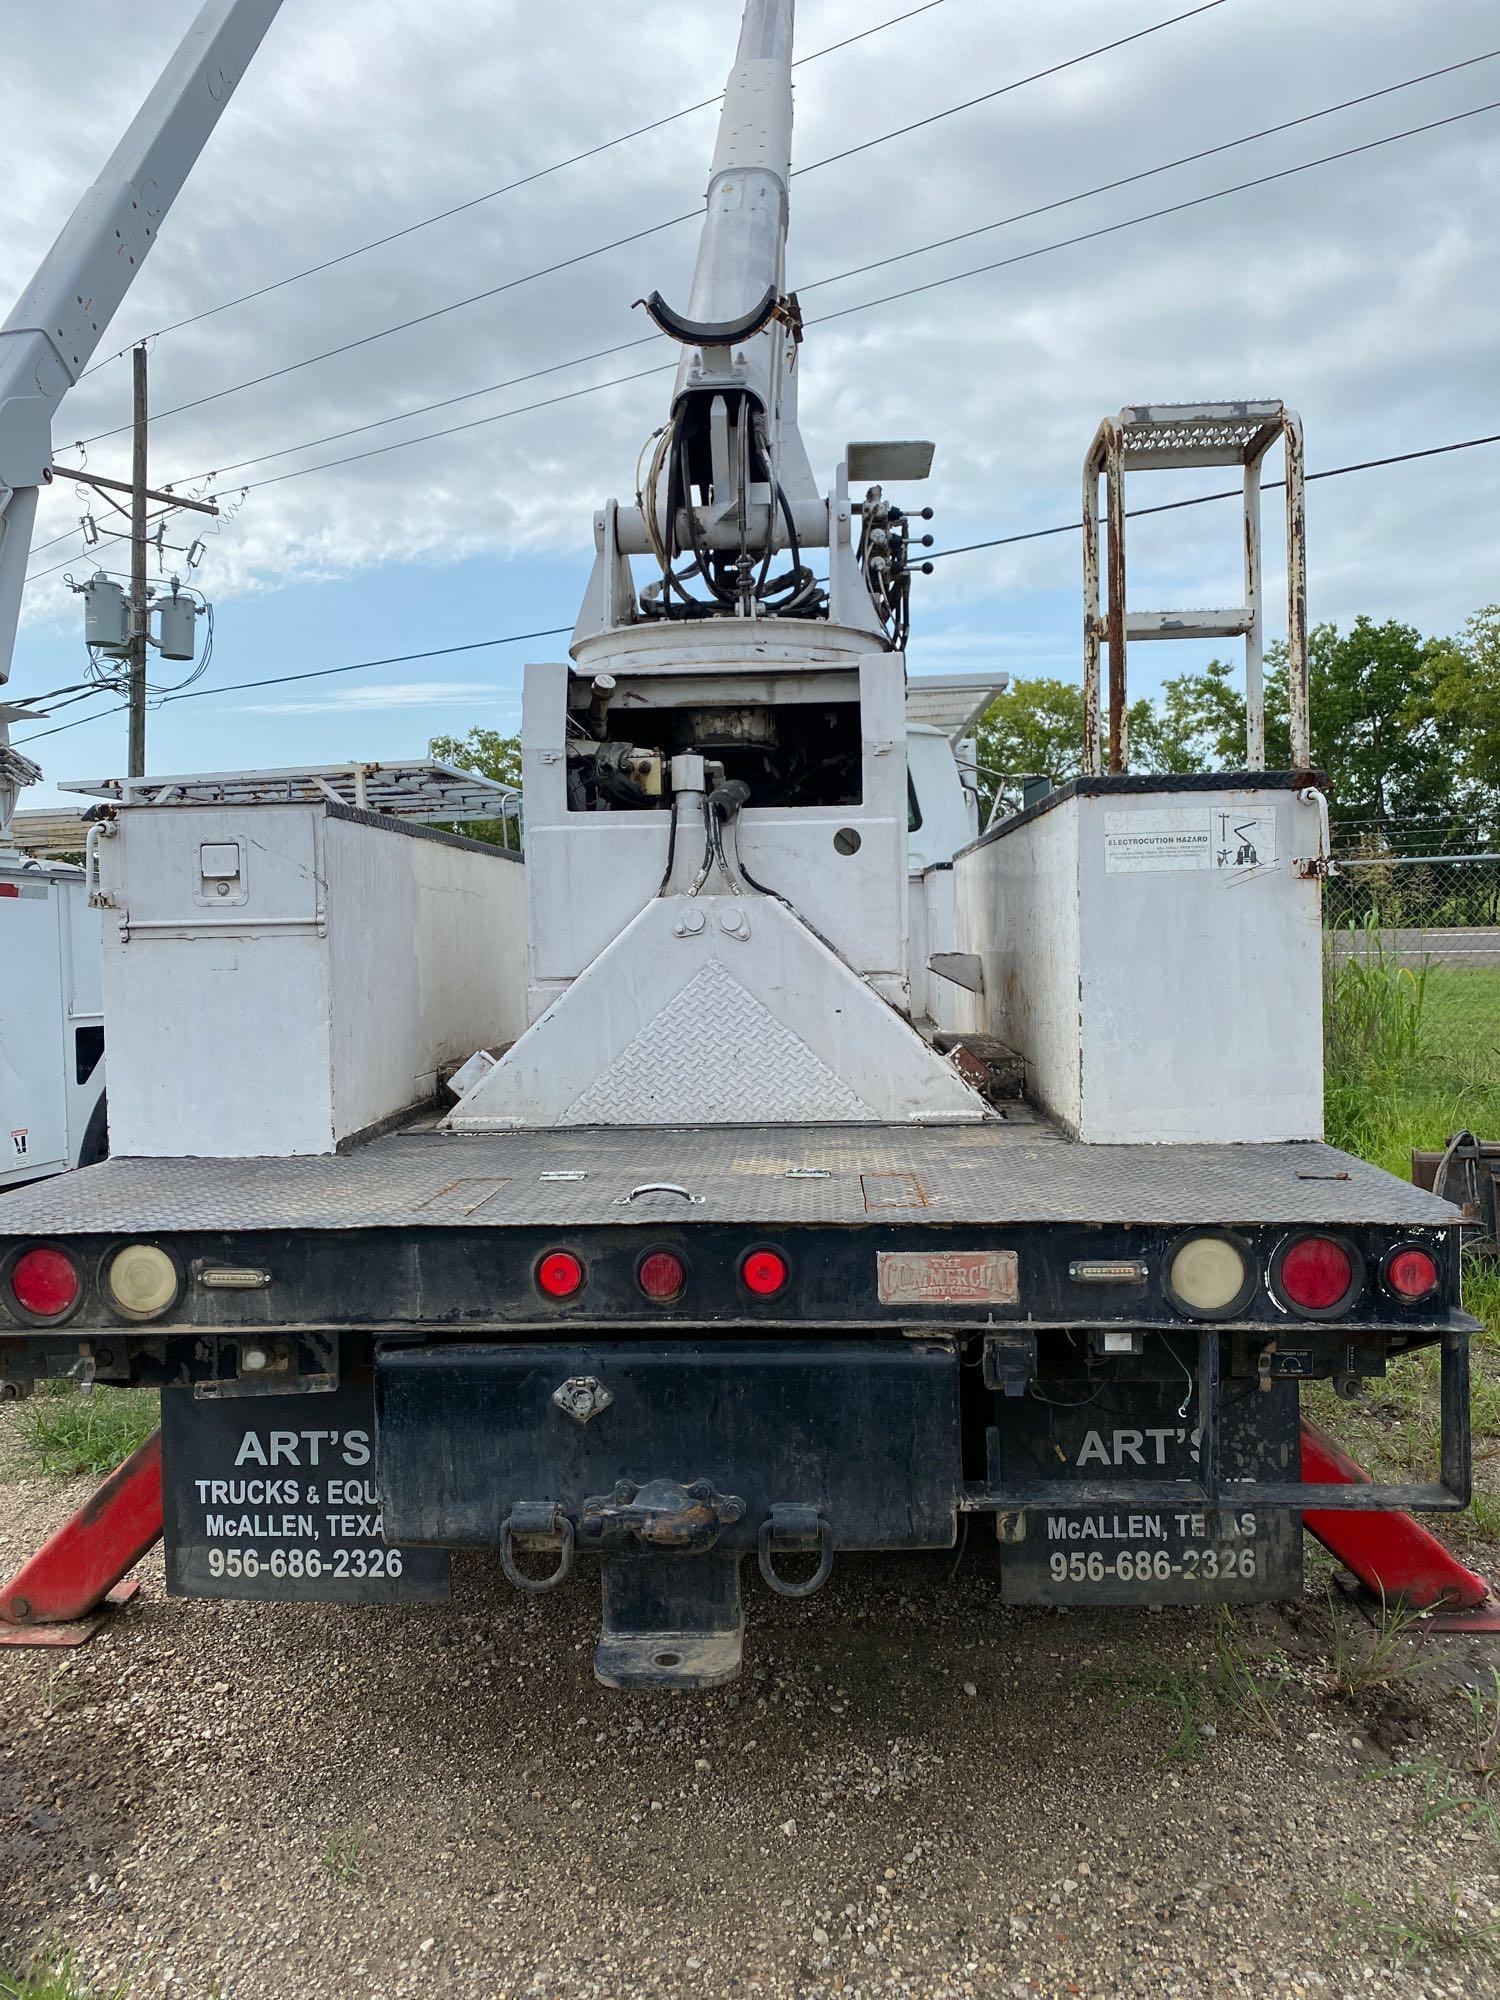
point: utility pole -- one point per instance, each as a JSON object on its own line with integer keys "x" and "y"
{"x": 140, "y": 617}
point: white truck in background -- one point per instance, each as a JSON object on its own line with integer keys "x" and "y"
{"x": 52, "y": 1104}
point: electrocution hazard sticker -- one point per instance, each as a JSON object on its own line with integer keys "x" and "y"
{"x": 1231, "y": 840}
{"x": 1143, "y": 842}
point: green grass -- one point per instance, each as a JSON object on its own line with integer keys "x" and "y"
{"x": 62, "y": 1432}
{"x": 1468, "y": 1788}
{"x": 1233, "y": 1685}
{"x": 342, "y": 1857}
{"x": 1420, "y": 1932}
{"x": 55, "y": 1977}
{"x": 1411, "y": 1058}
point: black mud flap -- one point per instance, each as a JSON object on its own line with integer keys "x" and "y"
{"x": 1117, "y": 1552}
{"x": 274, "y": 1497}
{"x": 671, "y": 1461}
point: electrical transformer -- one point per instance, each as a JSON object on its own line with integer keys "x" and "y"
{"x": 178, "y": 618}
{"x": 106, "y": 621}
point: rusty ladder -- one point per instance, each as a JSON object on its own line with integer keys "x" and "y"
{"x": 1188, "y": 436}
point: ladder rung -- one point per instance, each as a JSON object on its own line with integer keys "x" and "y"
{"x": 1187, "y": 624}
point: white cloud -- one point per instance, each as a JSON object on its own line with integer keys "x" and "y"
{"x": 1365, "y": 292}
{"x": 368, "y": 698}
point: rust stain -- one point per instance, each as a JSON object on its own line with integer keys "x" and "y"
{"x": 894, "y": 1191}
{"x": 461, "y": 1197}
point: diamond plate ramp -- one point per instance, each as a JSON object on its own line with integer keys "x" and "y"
{"x": 717, "y": 1010}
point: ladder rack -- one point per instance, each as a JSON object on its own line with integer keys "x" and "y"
{"x": 1187, "y": 436}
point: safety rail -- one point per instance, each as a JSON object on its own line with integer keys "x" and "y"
{"x": 1188, "y": 436}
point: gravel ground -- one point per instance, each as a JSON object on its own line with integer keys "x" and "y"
{"x": 912, "y": 1791}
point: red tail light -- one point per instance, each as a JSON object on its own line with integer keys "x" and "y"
{"x": 1317, "y": 1274}
{"x": 559, "y": 1274}
{"x": 1411, "y": 1274}
{"x": 662, "y": 1276}
{"x": 764, "y": 1272}
{"x": 45, "y": 1283}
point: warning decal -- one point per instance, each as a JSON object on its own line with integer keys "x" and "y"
{"x": 1230, "y": 840}
{"x": 1142, "y": 842}
{"x": 1244, "y": 837}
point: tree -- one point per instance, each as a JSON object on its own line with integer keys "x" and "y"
{"x": 492, "y": 755}
{"x": 1035, "y": 729}
{"x": 1466, "y": 701}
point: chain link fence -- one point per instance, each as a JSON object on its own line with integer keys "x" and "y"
{"x": 1425, "y": 909}
{"x": 1437, "y": 916}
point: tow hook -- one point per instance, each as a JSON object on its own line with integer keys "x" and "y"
{"x": 793, "y": 1527}
{"x": 662, "y": 1514}
{"x": 536, "y": 1524}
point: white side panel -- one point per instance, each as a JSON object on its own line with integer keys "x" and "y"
{"x": 1158, "y": 962}
{"x": 218, "y": 1045}
{"x": 33, "y": 1042}
{"x": 1202, "y": 985}
{"x": 426, "y": 964}
{"x": 1017, "y": 907}
{"x": 216, "y": 999}
{"x": 916, "y": 927}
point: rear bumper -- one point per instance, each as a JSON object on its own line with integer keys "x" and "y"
{"x": 863, "y": 1434}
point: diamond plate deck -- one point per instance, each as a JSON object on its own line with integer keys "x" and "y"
{"x": 1020, "y": 1170}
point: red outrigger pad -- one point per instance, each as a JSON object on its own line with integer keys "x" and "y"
{"x": 1389, "y": 1553}
{"x": 50, "y": 1600}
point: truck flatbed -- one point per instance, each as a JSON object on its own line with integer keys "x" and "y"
{"x": 1019, "y": 1170}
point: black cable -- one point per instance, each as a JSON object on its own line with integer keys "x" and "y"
{"x": 1155, "y": 214}
{"x": 1025, "y": 256}
{"x": 1203, "y": 499}
{"x": 638, "y": 235}
{"x": 1149, "y": 173}
{"x": 476, "y": 201}
{"x": 322, "y": 673}
{"x": 988, "y": 96}
{"x": 558, "y": 631}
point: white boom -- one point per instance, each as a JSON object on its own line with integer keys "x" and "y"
{"x": 736, "y": 326}
{"x": 50, "y": 336}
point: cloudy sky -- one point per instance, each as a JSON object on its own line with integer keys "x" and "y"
{"x": 1364, "y": 291}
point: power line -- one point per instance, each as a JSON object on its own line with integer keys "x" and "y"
{"x": 558, "y": 631}
{"x": 652, "y": 229}
{"x": 1025, "y": 256}
{"x": 1167, "y": 166}
{"x": 315, "y": 674}
{"x": 478, "y": 200}
{"x": 616, "y": 381}
{"x": 1005, "y": 222}
{"x": 1156, "y": 214}
{"x": 1203, "y": 499}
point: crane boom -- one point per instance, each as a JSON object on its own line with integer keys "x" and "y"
{"x": 56, "y": 324}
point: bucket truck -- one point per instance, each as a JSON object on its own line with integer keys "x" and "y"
{"x": 740, "y": 1236}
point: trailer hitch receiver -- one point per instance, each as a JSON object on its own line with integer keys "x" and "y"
{"x": 662, "y": 1514}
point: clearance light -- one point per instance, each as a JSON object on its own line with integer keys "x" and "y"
{"x": 1317, "y": 1274}
{"x": 1209, "y": 1275}
{"x": 662, "y": 1276}
{"x": 45, "y": 1283}
{"x": 559, "y": 1274}
{"x": 142, "y": 1280}
{"x": 1411, "y": 1274}
{"x": 764, "y": 1272}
